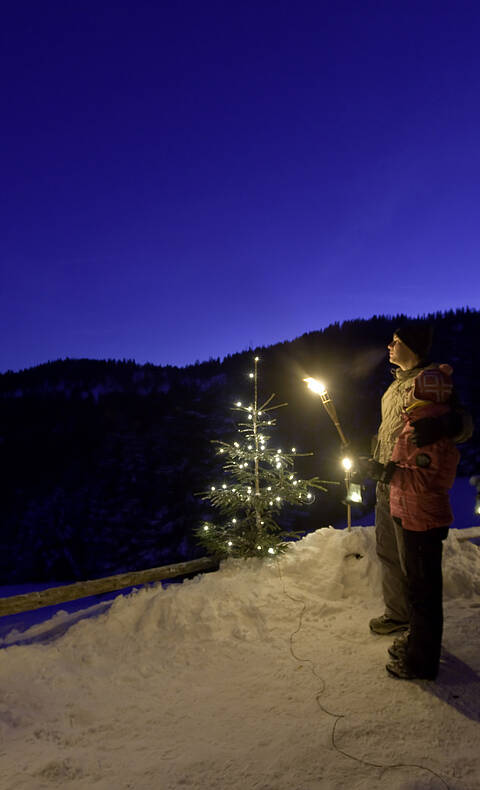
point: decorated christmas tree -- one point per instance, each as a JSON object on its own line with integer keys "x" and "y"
{"x": 259, "y": 482}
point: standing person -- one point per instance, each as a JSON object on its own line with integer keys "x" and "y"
{"x": 420, "y": 479}
{"x": 408, "y": 351}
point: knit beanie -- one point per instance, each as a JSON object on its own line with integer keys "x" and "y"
{"x": 434, "y": 384}
{"x": 417, "y": 336}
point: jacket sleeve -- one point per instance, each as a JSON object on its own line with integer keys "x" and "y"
{"x": 428, "y": 468}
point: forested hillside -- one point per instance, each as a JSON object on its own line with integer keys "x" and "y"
{"x": 101, "y": 460}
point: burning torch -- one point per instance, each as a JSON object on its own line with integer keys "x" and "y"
{"x": 320, "y": 389}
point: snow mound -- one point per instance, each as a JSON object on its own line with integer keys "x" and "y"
{"x": 250, "y": 600}
{"x": 461, "y": 567}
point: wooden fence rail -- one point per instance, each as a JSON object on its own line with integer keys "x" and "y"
{"x": 70, "y": 592}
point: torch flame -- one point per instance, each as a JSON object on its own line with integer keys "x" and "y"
{"x": 315, "y": 386}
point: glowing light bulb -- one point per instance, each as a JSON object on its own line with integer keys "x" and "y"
{"x": 259, "y": 548}
{"x": 236, "y": 444}
{"x": 270, "y": 503}
{"x": 205, "y": 529}
{"x": 278, "y": 466}
{"x": 213, "y": 488}
{"x": 234, "y": 520}
{"x": 278, "y": 499}
{"x": 250, "y": 417}
{"x": 309, "y": 496}
{"x": 347, "y": 463}
{"x": 224, "y": 485}
{"x": 269, "y": 488}
{"x": 293, "y": 450}
{"x": 230, "y": 543}
{"x": 271, "y": 551}
{"x": 295, "y": 483}
{"x": 251, "y": 375}
{"x": 257, "y": 359}
{"x": 238, "y": 403}
{"x": 250, "y": 447}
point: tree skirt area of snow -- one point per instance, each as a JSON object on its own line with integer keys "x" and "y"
{"x": 260, "y": 676}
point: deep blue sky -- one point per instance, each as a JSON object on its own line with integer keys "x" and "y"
{"x": 184, "y": 180}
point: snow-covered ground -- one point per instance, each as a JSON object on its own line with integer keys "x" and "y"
{"x": 260, "y": 676}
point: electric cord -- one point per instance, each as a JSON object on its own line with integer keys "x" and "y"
{"x": 339, "y": 716}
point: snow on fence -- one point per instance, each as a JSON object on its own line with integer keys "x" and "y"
{"x": 70, "y": 592}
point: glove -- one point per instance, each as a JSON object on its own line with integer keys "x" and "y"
{"x": 368, "y": 467}
{"x": 430, "y": 429}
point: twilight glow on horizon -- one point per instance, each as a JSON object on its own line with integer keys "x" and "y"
{"x": 187, "y": 180}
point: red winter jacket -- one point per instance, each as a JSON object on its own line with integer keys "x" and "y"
{"x": 420, "y": 484}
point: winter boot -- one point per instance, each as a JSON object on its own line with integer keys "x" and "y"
{"x": 400, "y": 669}
{"x": 398, "y": 650}
{"x": 385, "y": 625}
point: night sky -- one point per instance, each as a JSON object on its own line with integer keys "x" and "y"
{"x": 183, "y": 180}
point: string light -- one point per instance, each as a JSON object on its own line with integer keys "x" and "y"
{"x": 271, "y": 551}
{"x": 293, "y": 450}
{"x": 239, "y": 403}
{"x": 205, "y": 529}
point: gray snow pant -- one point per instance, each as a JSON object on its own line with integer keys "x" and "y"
{"x": 391, "y": 553}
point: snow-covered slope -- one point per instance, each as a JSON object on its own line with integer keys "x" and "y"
{"x": 260, "y": 676}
